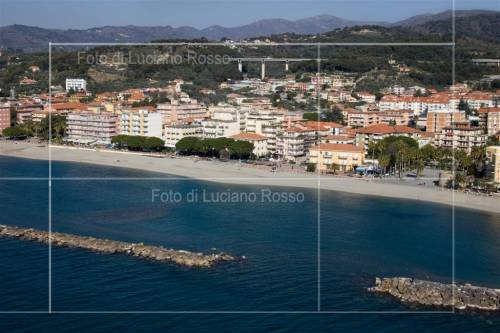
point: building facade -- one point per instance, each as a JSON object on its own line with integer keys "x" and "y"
{"x": 4, "y": 117}
{"x": 489, "y": 120}
{"x": 172, "y": 133}
{"x": 437, "y": 120}
{"x": 76, "y": 84}
{"x": 493, "y": 155}
{"x": 461, "y": 136}
{"x": 91, "y": 128}
{"x": 141, "y": 122}
{"x": 330, "y": 156}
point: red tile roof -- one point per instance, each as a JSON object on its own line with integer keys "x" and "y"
{"x": 248, "y": 136}
{"x": 487, "y": 110}
{"x": 387, "y": 129}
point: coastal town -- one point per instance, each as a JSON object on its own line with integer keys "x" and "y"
{"x": 316, "y": 123}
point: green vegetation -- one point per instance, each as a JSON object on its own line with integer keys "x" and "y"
{"x": 15, "y": 132}
{"x": 215, "y": 147}
{"x": 138, "y": 143}
{"x": 311, "y": 167}
{"x": 398, "y": 154}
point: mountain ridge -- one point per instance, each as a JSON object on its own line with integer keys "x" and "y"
{"x": 29, "y": 38}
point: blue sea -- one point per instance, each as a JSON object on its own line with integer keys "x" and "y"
{"x": 289, "y": 271}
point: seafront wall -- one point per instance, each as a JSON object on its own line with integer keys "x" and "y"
{"x": 439, "y": 294}
{"x": 151, "y": 252}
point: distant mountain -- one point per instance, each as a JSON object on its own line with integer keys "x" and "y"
{"x": 443, "y": 16}
{"x": 30, "y": 39}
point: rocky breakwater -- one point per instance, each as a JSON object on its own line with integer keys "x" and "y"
{"x": 439, "y": 294}
{"x": 151, "y": 252}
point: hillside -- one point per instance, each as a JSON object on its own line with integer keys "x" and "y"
{"x": 30, "y": 39}
{"x": 428, "y": 65}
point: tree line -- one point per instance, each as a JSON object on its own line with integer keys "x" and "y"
{"x": 223, "y": 148}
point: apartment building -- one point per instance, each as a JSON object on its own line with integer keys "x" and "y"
{"x": 141, "y": 122}
{"x": 172, "y": 133}
{"x": 395, "y": 117}
{"x": 91, "y": 128}
{"x": 76, "y": 84}
{"x": 489, "y": 120}
{"x": 225, "y": 121}
{"x": 182, "y": 112}
{"x": 437, "y": 120}
{"x": 478, "y": 99}
{"x": 461, "y": 136}
{"x": 290, "y": 144}
{"x": 25, "y": 112}
{"x": 493, "y": 156}
{"x": 4, "y": 117}
{"x": 328, "y": 156}
{"x": 418, "y": 105}
{"x": 266, "y": 123}
{"x": 358, "y": 118}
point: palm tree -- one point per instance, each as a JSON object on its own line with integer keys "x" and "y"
{"x": 383, "y": 162}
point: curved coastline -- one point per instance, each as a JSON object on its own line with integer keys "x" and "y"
{"x": 232, "y": 173}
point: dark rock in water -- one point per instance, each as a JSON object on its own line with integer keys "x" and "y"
{"x": 439, "y": 294}
{"x": 151, "y": 252}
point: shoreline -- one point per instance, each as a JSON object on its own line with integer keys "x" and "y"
{"x": 233, "y": 173}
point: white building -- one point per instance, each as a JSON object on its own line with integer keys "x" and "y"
{"x": 172, "y": 133}
{"x": 225, "y": 121}
{"x": 290, "y": 144}
{"x": 91, "y": 128}
{"x": 266, "y": 123}
{"x": 76, "y": 84}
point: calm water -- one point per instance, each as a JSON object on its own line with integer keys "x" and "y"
{"x": 361, "y": 237}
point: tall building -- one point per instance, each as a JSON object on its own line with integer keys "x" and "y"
{"x": 76, "y": 84}
{"x": 489, "y": 120}
{"x": 4, "y": 117}
{"x": 493, "y": 155}
{"x": 91, "y": 128}
{"x": 225, "y": 121}
{"x": 437, "y": 120}
{"x": 172, "y": 133}
{"x": 182, "y": 112}
{"x": 141, "y": 122}
{"x": 461, "y": 136}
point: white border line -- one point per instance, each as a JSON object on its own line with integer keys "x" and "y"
{"x": 50, "y": 179}
{"x": 318, "y": 311}
{"x": 228, "y": 312}
{"x": 453, "y": 79}
{"x": 318, "y": 227}
{"x": 260, "y": 45}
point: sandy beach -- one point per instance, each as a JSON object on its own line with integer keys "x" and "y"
{"x": 234, "y": 173}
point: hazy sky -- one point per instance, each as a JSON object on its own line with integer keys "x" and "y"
{"x": 199, "y": 13}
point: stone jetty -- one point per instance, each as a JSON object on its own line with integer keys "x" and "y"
{"x": 431, "y": 293}
{"x": 151, "y": 252}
